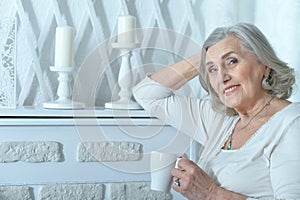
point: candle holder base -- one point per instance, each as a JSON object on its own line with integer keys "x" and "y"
{"x": 125, "y": 79}
{"x": 64, "y": 91}
{"x": 64, "y": 105}
{"x": 123, "y": 105}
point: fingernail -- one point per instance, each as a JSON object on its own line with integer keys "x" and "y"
{"x": 177, "y": 160}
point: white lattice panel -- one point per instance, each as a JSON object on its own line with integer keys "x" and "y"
{"x": 96, "y": 21}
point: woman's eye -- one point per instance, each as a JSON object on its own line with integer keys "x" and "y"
{"x": 212, "y": 69}
{"x": 232, "y": 61}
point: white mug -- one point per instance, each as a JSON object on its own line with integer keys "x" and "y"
{"x": 161, "y": 165}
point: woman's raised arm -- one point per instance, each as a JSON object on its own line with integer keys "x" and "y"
{"x": 176, "y": 75}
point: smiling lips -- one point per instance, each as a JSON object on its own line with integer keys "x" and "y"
{"x": 230, "y": 89}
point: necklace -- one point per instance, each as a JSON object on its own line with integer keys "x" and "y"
{"x": 228, "y": 146}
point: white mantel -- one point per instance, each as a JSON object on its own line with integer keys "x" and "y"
{"x": 90, "y": 116}
{"x": 24, "y": 128}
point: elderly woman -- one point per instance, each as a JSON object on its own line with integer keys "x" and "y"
{"x": 248, "y": 129}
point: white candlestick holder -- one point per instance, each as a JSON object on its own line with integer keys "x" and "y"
{"x": 125, "y": 79}
{"x": 64, "y": 91}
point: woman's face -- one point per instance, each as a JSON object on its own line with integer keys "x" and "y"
{"x": 235, "y": 74}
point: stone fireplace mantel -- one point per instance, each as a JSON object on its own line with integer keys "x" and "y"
{"x": 54, "y": 153}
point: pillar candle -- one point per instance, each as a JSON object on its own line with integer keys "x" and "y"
{"x": 64, "y": 46}
{"x": 126, "y": 29}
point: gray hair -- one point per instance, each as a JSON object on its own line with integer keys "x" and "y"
{"x": 252, "y": 40}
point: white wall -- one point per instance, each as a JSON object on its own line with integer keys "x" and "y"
{"x": 95, "y": 21}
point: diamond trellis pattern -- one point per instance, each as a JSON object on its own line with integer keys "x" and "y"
{"x": 94, "y": 22}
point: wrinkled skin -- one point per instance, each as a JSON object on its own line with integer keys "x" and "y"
{"x": 194, "y": 182}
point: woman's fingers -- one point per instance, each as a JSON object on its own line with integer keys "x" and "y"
{"x": 185, "y": 164}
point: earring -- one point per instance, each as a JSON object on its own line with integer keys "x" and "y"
{"x": 266, "y": 84}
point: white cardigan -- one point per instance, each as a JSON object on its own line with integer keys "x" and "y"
{"x": 266, "y": 167}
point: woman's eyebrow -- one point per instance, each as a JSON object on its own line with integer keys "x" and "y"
{"x": 222, "y": 57}
{"x": 209, "y": 63}
{"x": 227, "y": 54}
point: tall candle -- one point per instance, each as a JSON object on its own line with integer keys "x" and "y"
{"x": 126, "y": 29}
{"x": 64, "y": 46}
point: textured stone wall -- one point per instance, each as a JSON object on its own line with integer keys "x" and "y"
{"x": 39, "y": 152}
{"x": 34, "y": 152}
{"x": 108, "y": 151}
{"x": 16, "y": 193}
{"x": 88, "y": 191}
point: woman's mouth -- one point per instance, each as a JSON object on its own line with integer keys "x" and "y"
{"x": 230, "y": 90}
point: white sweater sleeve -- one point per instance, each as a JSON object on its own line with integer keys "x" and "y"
{"x": 285, "y": 164}
{"x": 161, "y": 102}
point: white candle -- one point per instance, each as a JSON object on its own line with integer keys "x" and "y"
{"x": 126, "y": 29}
{"x": 64, "y": 46}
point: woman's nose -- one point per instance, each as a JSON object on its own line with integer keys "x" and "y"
{"x": 223, "y": 75}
